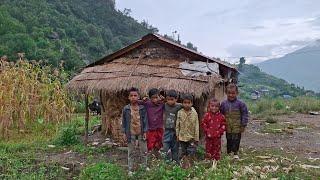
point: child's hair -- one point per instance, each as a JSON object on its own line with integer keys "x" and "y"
{"x": 133, "y": 89}
{"x": 187, "y": 97}
{"x": 153, "y": 91}
{"x": 214, "y": 100}
{"x": 232, "y": 86}
{"x": 172, "y": 93}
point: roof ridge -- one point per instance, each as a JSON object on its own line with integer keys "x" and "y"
{"x": 161, "y": 38}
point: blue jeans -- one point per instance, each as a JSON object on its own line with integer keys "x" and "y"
{"x": 170, "y": 145}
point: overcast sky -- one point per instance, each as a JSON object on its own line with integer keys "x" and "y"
{"x": 233, "y": 28}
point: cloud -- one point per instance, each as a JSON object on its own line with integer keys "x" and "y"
{"x": 315, "y": 22}
{"x": 258, "y": 53}
{"x": 257, "y": 27}
{"x": 233, "y": 27}
{"x": 239, "y": 50}
{"x": 213, "y": 14}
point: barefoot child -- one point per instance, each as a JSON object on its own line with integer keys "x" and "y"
{"x": 213, "y": 125}
{"x": 171, "y": 108}
{"x": 134, "y": 127}
{"x": 236, "y": 114}
{"x": 187, "y": 127}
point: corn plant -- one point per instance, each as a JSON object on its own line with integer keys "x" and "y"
{"x": 31, "y": 93}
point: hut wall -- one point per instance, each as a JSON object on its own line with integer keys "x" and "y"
{"x": 112, "y": 105}
{"x": 220, "y": 93}
{"x": 155, "y": 50}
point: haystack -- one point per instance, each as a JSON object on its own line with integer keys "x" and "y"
{"x": 152, "y": 62}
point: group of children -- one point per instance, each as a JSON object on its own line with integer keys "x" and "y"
{"x": 159, "y": 123}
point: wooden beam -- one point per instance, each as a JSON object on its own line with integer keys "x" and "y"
{"x": 86, "y": 117}
{"x": 144, "y": 75}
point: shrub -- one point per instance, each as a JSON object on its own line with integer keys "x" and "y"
{"x": 68, "y": 135}
{"x": 279, "y": 105}
{"x": 80, "y": 107}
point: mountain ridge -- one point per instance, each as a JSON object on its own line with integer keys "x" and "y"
{"x": 300, "y": 67}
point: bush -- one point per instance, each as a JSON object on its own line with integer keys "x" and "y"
{"x": 279, "y": 105}
{"x": 68, "y": 135}
{"x": 103, "y": 171}
{"x": 80, "y": 107}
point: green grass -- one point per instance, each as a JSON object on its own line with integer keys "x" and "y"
{"x": 103, "y": 171}
{"x": 21, "y": 161}
{"x": 266, "y": 107}
{"x": 27, "y": 161}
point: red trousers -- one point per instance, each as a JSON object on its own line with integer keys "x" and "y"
{"x": 154, "y": 139}
{"x": 213, "y": 148}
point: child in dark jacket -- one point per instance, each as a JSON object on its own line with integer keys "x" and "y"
{"x": 213, "y": 125}
{"x": 236, "y": 114}
{"x": 134, "y": 127}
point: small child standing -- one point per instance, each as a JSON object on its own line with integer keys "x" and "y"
{"x": 155, "y": 110}
{"x": 213, "y": 125}
{"x": 171, "y": 108}
{"x": 236, "y": 114}
{"x": 187, "y": 127}
{"x": 134, "y": 127}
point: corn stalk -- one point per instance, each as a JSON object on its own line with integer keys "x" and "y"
{"x": 31, "y": 93}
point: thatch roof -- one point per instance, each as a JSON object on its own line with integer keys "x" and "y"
{"x": 124, "y": 73}
{"x": 117, "y": 71}
{"x": 171, "y": 44}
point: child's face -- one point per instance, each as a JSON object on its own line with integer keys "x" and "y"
{"x": 214, "y": 107}
{"x": 187, "y": 104}
{"x": 171, "y": 101}
{"x": 133, "y": 97}
{"x": 155, "y": 99}
{"x": 232, "y": 94}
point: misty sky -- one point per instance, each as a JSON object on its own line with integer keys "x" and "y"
{"x": 233, "y": 28}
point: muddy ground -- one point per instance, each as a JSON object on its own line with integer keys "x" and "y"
{"x": 297, "y": 134}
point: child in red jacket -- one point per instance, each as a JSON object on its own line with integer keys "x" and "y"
{"x": 213, "y": 125}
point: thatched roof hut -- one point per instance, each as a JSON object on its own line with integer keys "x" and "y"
{"x": 153, "y": 62}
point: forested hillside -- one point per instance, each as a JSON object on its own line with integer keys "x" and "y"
{"x": 75, "y": 31}
{"x": 252, "y": 79}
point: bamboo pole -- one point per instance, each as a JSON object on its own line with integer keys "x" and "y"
{"x": 86, "y": 118}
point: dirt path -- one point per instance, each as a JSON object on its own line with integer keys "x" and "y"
{"x": 297, "y": 134}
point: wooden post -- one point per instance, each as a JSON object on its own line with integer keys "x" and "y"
{"x": 86, "y": 118}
